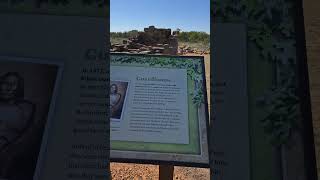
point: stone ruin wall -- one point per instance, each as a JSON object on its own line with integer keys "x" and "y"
{"x": 154, "y": 41}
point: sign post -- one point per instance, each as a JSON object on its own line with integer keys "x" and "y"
{"x": 166, "y": 172}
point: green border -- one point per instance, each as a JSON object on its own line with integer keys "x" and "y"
{"x": 272, "y": 79}
{"x": 260, "y": 78}
{"x": 194, "y": 144}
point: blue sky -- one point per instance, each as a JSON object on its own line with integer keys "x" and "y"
{"x": 188, "y": 15}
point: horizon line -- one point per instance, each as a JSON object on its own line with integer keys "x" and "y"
{"x": 158, "y": 28}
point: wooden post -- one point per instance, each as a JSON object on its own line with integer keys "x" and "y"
{"x": 166, "y": 172}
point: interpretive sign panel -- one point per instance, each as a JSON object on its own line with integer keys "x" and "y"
{"x": 158, "y": 109}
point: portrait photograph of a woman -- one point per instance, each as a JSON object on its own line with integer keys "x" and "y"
{"x": 25, "y": 96}
{"x": 118, "y": 90}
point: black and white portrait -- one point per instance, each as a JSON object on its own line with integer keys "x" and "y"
{"x": 118, "y": 91}
{"x": 26, "y": 90}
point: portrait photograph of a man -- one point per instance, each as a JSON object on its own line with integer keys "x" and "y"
{"x": 118, "y": 91}
{"x": 26, "y": 90}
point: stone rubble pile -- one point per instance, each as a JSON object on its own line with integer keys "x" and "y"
{"x": 151, "y": 41}
{"x": 188, "y": 50}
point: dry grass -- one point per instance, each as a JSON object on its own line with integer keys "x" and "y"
{"x": 199, "y": 46}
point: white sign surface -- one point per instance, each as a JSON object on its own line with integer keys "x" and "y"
{"x": 149, "y": 105}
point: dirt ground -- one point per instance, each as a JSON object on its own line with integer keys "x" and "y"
{"x": 125, "y": 171}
